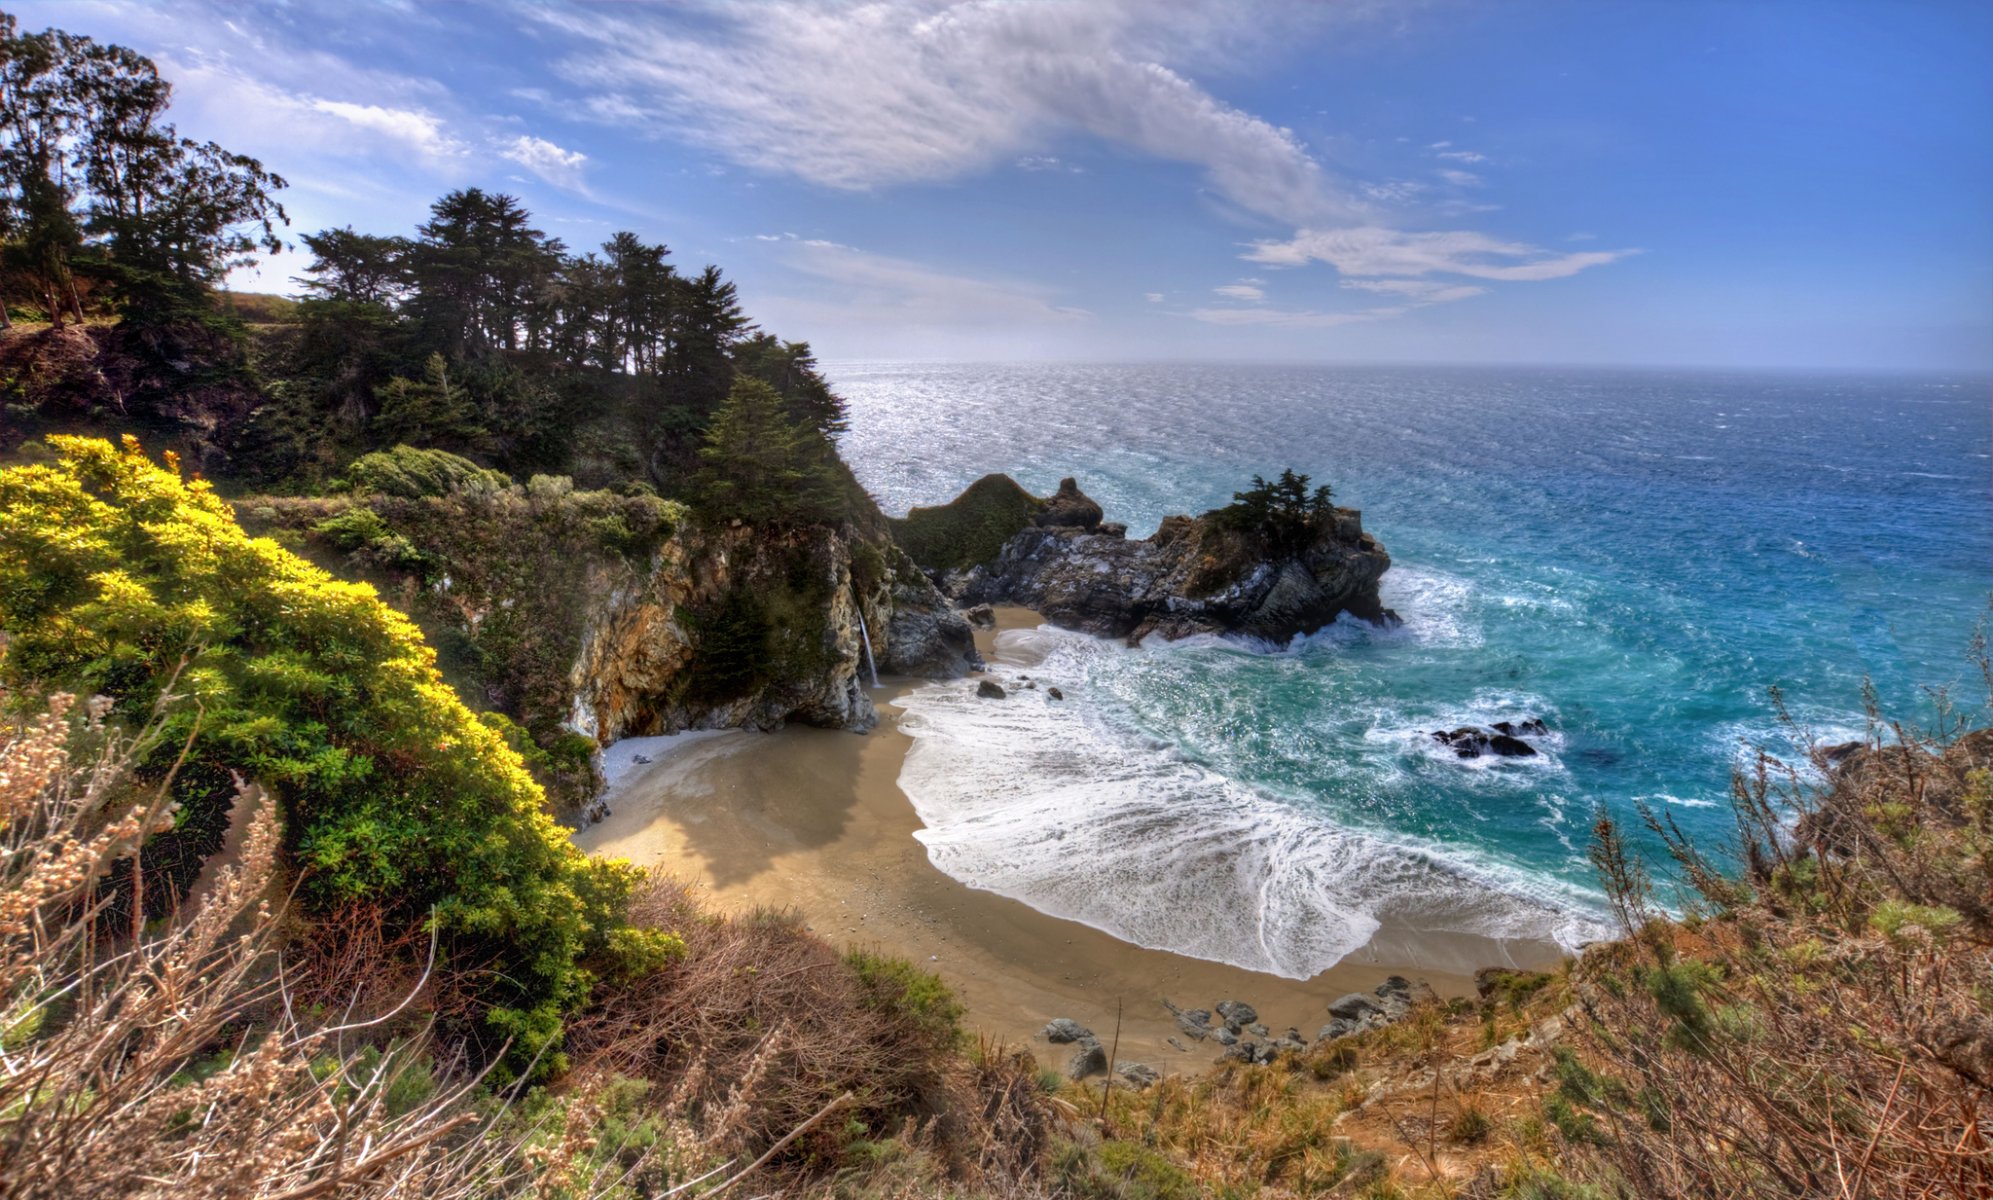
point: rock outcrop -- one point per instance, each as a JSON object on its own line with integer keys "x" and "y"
{"x": 1194, "y": 575}
{"x": 751, "y": 627}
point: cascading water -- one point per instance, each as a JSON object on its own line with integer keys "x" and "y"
{"x": 866, "y": 636}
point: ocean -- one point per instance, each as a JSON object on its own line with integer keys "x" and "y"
{"x": 1637, "y": 557}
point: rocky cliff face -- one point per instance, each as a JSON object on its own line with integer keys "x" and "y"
{"x": 1194, "y": 575}
{"x": 748, "y": 627}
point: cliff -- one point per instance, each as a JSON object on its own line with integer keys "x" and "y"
{"x": 1206, "y": 574}
{"x": 592, "y": 615}
{"x": 749, "y": 627}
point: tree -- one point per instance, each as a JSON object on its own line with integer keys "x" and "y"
{"x": 357, "y": 268}
{"x": 791, "y": 369}
{"x": 39, "y": 117}
{"x": 708, "y": 323}
{"x": 1284, "y": 512}
{"x": 482, "y": 274}
{"x": 90, "y": 168}
{"x": 764, "y": 467}
{"x": 431, "y": 411}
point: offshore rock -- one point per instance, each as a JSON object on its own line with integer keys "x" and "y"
{"x": 1193, "y": 575}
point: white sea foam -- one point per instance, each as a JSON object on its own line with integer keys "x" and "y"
{"x": 1682, "y": 801}
{"x": 1050, "y": 803}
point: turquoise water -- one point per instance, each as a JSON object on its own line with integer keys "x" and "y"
{"x": 1636, "y": 557}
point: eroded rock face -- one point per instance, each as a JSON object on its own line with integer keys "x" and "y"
{"x": 1192, "y": 576}
{"x": 742, "y": 627}
{"x": 925, "y": 636}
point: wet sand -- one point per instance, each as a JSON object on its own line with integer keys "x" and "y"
{"x": 814, "y": 820}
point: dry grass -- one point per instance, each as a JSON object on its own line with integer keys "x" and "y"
{"x": 1821, "y": 1026}
{"x": 165, "y": 1061}
{"x": 760, "y": 1025}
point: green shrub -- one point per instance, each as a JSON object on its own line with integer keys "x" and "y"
{"x": 1140, "y": 1173}
{"x": 117, "y": 576}
{"x": 409, "y": 473}
{"x": 918, "y": 997}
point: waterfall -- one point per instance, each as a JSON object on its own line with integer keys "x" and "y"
{"x": 866, "y": 635}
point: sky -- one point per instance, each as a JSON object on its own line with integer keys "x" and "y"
{"x": 1641, "y": 182}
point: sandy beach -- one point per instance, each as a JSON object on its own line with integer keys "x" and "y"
{"x": 814, "y": 820}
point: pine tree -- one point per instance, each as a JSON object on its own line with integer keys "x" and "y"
{"x": 764, "y": 467}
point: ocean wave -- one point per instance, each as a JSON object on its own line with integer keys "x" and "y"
{"x": 1051, "y": 803}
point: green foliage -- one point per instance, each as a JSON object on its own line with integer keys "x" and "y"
{"x": 1139, "y": 1173}
{"x": 1284, "y": 512}
{"x": 499, "y": 579}
{"x": 1897, "y": 919}
{"x": 360, "y": 531}
{"x": 918, "y": 998}
{"x": 118, "y": 576}
{"x": 969, "y": 529}
{"x": 764, "y": 467}
{"x": 409, "y": 473}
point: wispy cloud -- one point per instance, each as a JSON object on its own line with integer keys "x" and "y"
{"x": 557, "y": 166}
{"x": 1289, "y": 318}
{"x": 1377, "y": 251}
{"x": 1425, "y": 291}
{"x": 864, "y": 96}
{"x": 1241, "y": 291}
{"x": 914, "y": 292}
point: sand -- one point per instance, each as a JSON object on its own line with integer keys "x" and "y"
{"x": 814, "y": 820}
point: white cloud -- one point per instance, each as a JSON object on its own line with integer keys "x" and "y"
{"x": 907, "y": 291}
{"x": 1289, "y": 318}
{"x": 1425, "y": 291}
{"x": 1466, "y": 156}
{"x": 419, "y": 131}
{"x": 1375, "y": 251}
{"x": 550, "y": 162}
{"x": 1153, "y": 297}
{"x": 1459, "y": 178}
{"x": 862, "y": 96}
{"x": 1241, "y": 291}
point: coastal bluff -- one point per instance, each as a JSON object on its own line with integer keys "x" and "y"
{"x": 1227, "y": 571}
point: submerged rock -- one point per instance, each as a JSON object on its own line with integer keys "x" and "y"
{"x": 990, "y": 689}
{"x": 1471, "y": 741}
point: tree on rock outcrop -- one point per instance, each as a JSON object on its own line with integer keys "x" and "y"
{"x": 1284, "y": 511}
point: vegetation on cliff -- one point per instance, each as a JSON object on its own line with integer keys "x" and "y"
{"x": 119, "y": 578}
{"x": 969, "y": 529}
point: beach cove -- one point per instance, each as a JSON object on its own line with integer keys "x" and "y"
{"x": 814, "y": 821}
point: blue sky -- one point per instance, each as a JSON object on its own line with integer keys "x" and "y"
{"x": 1680, "y": 182}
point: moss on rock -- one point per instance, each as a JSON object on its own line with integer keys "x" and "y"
{"x": 969, "y": 529}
